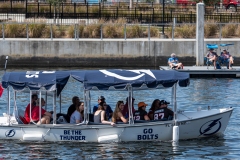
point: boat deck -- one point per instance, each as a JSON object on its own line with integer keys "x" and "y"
{"x": 205, "y": 72}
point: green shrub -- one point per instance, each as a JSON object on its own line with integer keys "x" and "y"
{"x": 134, "y": 31}
{"x": 36, "y": 30}
{"x": 185, "y": 31}
{"x": 70, "y": 31}
{"x": 80, "y": 30}
{"x": 109, "y": 31}
{"x": 1, "y": 31}
{"x": 92, "y": 31}
{"x": 238, "y": 31}
{"x": 229, "y": 30}
{"x": 14, "y": 30}
{"x": 56, "y": 32}
{"x": 154, "y": 31}
{"x": 210, "y": 29}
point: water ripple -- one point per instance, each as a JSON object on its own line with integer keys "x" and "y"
{"x": 201, "y": 92}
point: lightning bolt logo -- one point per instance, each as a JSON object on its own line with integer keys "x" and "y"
{"x": 140, "y": 72}
{"x": 10, "y": 133}
{"x": 210, "y": 127}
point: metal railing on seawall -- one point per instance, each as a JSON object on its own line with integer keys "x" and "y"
{"x": 49, "y": 28}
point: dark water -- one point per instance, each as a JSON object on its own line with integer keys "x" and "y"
{"x": 216, "y": 93}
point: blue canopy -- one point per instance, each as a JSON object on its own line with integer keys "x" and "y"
{"x": 35, "y": 80}
{"x": 212, "y": 46}
{"x": 224, "y": 45}
{"x": 100, "y": 79}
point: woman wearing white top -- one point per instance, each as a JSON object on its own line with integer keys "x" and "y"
{"x": 77, "y": 115}
{"x": 100, "y": 115}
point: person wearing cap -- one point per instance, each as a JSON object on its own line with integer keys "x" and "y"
{"x": 125, "y": 110}
{"x": 141, "y": 113}
{"x": 163, "y": 113}
{"x": 174, "y": 63}
{"x": 108, "y": 109}
{"x": 227, "y": 58}
{"x": 212, "y": 57}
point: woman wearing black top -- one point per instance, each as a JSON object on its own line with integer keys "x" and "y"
{"x": 141, "y": 113}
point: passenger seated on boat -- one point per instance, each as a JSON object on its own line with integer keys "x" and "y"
{"x": 117, "y": 114}
{"x": 163, "y": 113}
{"x": 155, "y": 106}
{"x": 226, "y": 58}
{"x": 108, "y": 109}
{"x": 72, "y": 108}
{"x": 100, "y": 115}
{"x": 34, "y": 98}
{"x": 45, "y": 116}
{"x": 211, "y": 57}
{"x": 174, "y": 63}
{"x": 77, "y": 115}
{"x": 125, "y": 111}
{"x": 141, "y": 113}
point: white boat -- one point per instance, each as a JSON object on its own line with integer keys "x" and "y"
{"x": 185, "y": 125}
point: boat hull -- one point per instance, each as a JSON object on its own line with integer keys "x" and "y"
{"x": 191, "y": 125}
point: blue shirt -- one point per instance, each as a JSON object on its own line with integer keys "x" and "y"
{"x": 173, "y": 60}
{"x": 108, "y": 111}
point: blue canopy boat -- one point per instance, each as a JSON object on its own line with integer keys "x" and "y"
{"x": 185, "y": 125}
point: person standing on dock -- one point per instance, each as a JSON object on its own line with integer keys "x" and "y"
{"x": 174, "y": 63}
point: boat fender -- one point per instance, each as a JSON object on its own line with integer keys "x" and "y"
{"x": 175, "y": 136}
{"x": 33, "y": 137}
{"x": 112, "y": 138}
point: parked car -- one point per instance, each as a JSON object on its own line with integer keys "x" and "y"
{"x": 229, "y": 4}
{"x": 186, "y": 2}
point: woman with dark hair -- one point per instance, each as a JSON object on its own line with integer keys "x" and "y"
{"x": 155, "y": 106}
{"x": 77, "y": 115}
{"x": 117, "y": 114}
{"x": 100, "y": 115}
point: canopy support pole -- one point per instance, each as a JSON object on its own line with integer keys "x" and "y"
{"x": 15, "y": 103}
{"x": 60, "y": 102}
{"x": 30, "y": 113}
{"x": 46, "y": 101}
{"x": 175, "y": 134}
{"x": 8, "y": 110}
{"x": 130, "y": 95}
{"x": 86, "y": 105}
{"x": 40, "y": 106}
{"x": 54, "y": 107}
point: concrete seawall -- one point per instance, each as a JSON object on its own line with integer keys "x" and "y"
{"x": 107, "y": 53}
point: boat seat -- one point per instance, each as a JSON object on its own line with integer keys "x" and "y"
{"x": 61, "y": 120}
{"x": 19, "y": 116}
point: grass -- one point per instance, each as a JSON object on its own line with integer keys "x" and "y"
{"x": 210, "y": 29}
{"x": 229, "y": 30}
{"x": 113, "y": 29}
{"x": 185, "y": 31}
